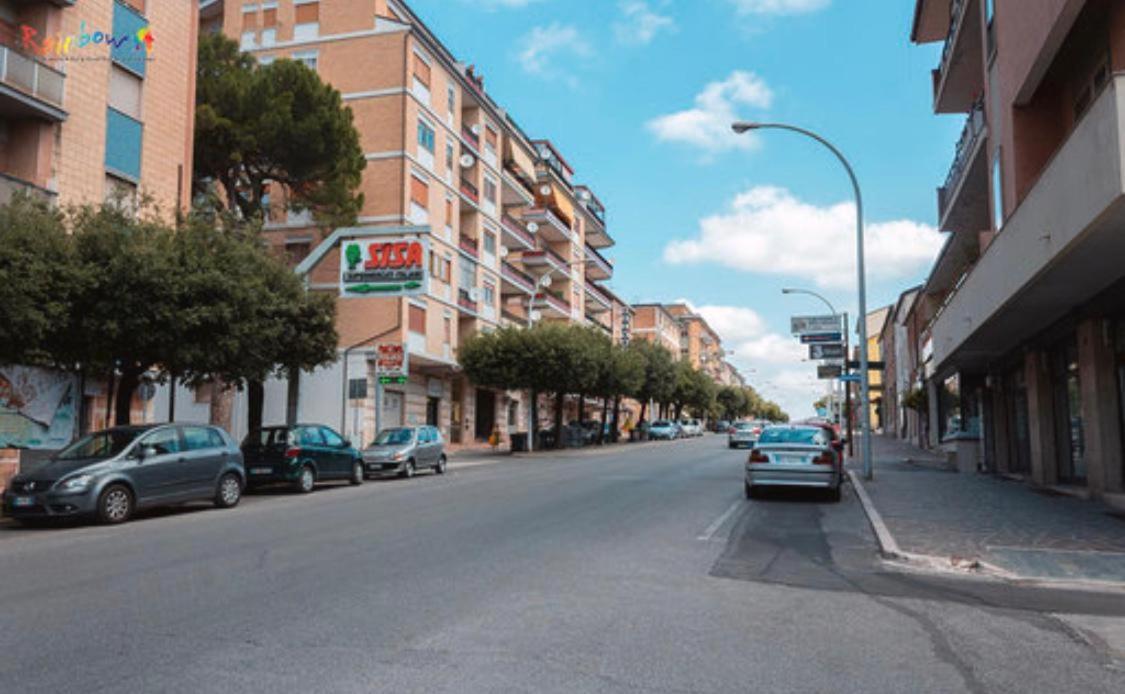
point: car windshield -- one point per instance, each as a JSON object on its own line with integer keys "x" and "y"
{"x": 744, "y": 425}
{"x": 807, "y": 437}
{"x": 100, "y": 445}
{"x": 394, "y": 437}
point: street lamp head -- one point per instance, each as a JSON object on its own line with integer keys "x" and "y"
{"x": 741, "y": 127}
{"x": 788, "y": 290}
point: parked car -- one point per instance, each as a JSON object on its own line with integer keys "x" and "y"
{"x": 720, "y": 427}
{"x": 796, "y": 456}
{"x": 110, "y": 474}
{"x": 300, "y": 456}
{"x": 743, "y": 434}
{"x": 665, "y": 430}
{"x": 691, "y": 427}
{"x": 403, "y": 451}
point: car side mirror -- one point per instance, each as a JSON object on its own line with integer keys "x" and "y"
{"x": 143, "y": 452}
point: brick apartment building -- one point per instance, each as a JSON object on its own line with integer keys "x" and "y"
{"x": 82, "y": 123}
{"x": 447, "y": 166}
{"x": 699, "y": 343}
{"x": 1019, "y": 330}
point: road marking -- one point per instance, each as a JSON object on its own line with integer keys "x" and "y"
{"x": 709, "y": 533}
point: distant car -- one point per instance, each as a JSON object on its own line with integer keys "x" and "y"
{"x": 300, "y": 456}
{"x": 743, "y": 434}
{"x": 720, "y": 427}
{"x": 691, "y": 427}
{"x": 112, "y": 473}
{"x": 403, "y": 451}
{"x": 796, "y": 456}
{"x": 664, "y": 430}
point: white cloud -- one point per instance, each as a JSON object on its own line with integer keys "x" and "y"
{"x": 539, "y": 48}
{"x": 502, "y": 4}
{"x": 640, "y": 24}
{"x": 768, "y": 230}
{"x": 706, "y": 126}
{"x": 777, "y": 7}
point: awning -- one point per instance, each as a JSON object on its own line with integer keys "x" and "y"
{"x": 520, "y": 159}
{"x": 557, "y": 200}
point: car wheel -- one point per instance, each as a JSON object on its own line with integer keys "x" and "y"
{"x": 229, "y": 492}
{"x": 357, "y": 474}
{"x": 115, "y": 505}
{"x": 441, "y": 463}
{"x": 750, "y": 491}
{"x": 835, "y": 494}
{"x": 306, "y": 480}
{"x": 408, "y": 470}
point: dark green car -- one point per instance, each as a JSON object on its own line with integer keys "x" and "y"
{"x": 300, "y": 456}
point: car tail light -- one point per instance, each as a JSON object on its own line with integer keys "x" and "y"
{"x": 293, "y": 453}
{"x": 757, "y": 456}
{"x": 824, "y": 458}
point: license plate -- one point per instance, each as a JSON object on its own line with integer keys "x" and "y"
{"x": 261, "y": 471}
{"x": 23, "y": 501}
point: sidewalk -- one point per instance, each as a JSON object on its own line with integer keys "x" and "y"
{"x": 959, "y": 518}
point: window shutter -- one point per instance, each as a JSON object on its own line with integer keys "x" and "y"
{"x": 417, "y": 319}
{"x": 490, "y": 137}
{"x": 419, "y": 191}
{"x": 308, "y": 13}
{"x": 421, "y": 70}
{"x": 249, "y": 21}
{"x": 269, "y": 17}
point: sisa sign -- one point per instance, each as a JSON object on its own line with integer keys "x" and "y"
{"x": 381, "y": 267}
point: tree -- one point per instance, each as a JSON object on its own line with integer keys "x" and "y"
{"x": 692, "y": 389}
{"x": 733, "y": 402}
{"x": 659, "y": 373}
{"x": 623, "y": 374}
{"x": 276, "y": 123}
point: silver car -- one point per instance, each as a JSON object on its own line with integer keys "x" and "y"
{"x": 403, "y": 451}
{"x": 744, "y": 434}
{"x": 796, "y": 456}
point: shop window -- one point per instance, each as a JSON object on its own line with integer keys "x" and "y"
{"x": 949, "y": 407}
{"x": 1069, "y": 434}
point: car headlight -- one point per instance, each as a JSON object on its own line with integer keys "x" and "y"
{"x": 398, "y": 456}
{"x": 79, "y": 483}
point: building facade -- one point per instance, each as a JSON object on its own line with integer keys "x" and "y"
{"x": 700, "y": 345}
{"x": 1022, "y": 340}
{"x": 655, "y": 323}
{"x": 507, "y": 236}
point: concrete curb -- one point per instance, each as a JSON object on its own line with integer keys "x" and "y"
{"x": 888, "y": 546}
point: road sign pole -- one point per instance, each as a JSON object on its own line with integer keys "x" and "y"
{"x": 848, "y": 391}
{"x": 378, "y": 403}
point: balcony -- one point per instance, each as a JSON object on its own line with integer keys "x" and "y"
{"x": 963, "y": 202}
{"x": 546, "y": 258}
{"x": 959, "y": 79}
{"x": 11, "y": 186}
{"x": 516, "y": 236}
{"x": 554, "y": 303}
{"x": 470, "y": 191}
{"x": 465, "y": 300}
{"x": 469, "y": 245}
{"x": 29, "y": 88}
{"x": 597, "y": 267}
{"x": 597, "y": 301}
{"x": 547, "y": 224}
{"x": 514, "y": 192}
{"x": 514, "y": 281}
{"x": 1060, "y": 247}
{"x": 471, "y": 139}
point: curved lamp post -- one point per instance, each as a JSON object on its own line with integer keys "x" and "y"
{"x": 742, "y": 127}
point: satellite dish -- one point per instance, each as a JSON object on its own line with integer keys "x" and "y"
{"x": 545, "y": 189}
{"x": 536, "y": 315}
{"x": 475, "y": 128}
{"x": 532, "y": 227}
{"x": 467, "y": 161}
{"x": 544, "y": 153}
{"x": 584, "y": 195}
{"x": 503, "y": 251}
{"x": 546, "y": 281}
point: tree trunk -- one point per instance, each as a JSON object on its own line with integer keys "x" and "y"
{"x": 613, "y": 430}
{"x": 110, "y": 391}
{"x": 533, "y": 425}
{"x": 560, "y": 403}
{"x": 292, "y": 397}
{"x": 123, "y": 399}
{"x": 679, "y": 411}
{"x": 222, "y": 405}
{"x": 255, "y": 404}
{"x": 172, "y": 398}
{"x": 80, "y": 429}
{"x": 605, "y": 418}
{"x": 644, "y": 409}
{"x": 581, "y": 407}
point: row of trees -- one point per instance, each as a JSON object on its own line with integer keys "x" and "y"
{"x": 558, "y": 359}
{"x": 734, "y": 402}
{"x": 105, "y": 292}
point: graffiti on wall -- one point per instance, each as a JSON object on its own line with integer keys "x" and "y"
{"x": 38, "y": 408}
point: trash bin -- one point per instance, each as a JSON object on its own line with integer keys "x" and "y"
{"x": 519, "y": 442}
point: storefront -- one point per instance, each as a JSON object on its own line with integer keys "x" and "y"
{"x": 1018, "y": 428}
{"x": 1067, "y": 406}
{"x": 1120, "y": 354}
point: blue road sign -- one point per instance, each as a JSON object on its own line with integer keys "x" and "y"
{"x": 850, "y": 378}
{"x": 822, "y": 338}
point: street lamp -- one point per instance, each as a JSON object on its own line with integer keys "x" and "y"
{"x": 742, "y": 127}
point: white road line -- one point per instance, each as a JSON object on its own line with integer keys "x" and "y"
{"x": 709, "y": 533}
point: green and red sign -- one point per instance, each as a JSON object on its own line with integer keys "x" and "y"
{"x": 382, "y": 267}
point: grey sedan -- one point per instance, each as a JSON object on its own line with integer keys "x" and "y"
{"x": 796, "y": 456}
{"x": 403, "y": 451}
{"x": 112, "y": 473}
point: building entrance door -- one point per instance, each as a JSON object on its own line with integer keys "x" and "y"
{"x": 486, "y": 414}
{"x": 1019, "y": 433}
{"x": 433, "y": 407}
{"x": 1068, "y": 413}
{"x": 392, "y": 409}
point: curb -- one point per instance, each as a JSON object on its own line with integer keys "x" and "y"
{"x": 888, "y": 546}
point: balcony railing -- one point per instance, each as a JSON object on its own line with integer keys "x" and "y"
{"x": 517, "y": 277}
{"x": 598, "y": 260}
{"x": 599, "y": 294}
{"x": 470, "y": 137}
{"x": 31, "y": 77}
{"x": 966, "y": 145}
{"x": 550, "y": 218}
{"x": 956, "y": 14}
{"x": 555, "y": 301}
{"x": 470, "y": 191}
{"x": 469, "y": 245}
{"x": 517, "y": 229}
{"x": 465, "y": 301}
{"x": 10, "y": 186}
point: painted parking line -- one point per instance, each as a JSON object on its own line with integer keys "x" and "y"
{"x": 712, "y": 529}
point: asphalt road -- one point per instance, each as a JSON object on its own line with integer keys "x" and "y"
{"x": 637, "y": 569}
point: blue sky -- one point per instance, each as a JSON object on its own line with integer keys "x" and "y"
{"x": 637, "y": 94}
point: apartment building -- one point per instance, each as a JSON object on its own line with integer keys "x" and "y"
{"x": 699, "y": 343}
{"x": 82, "y": 121}
{"x": 655, "y": 323}
{"x": 1022, "y": 340}
{"x": 507, "y": 237}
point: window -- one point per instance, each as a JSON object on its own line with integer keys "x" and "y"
{"x": 490, "y": 187}
{"x": 447, "y": 330}
{"x": 997, "y": 193}
{"x": 490, "y": 243}
{"x": 308, "y": 58}
{"x": 425, "y": 136}
{"x": 449, "y": 156}
{"x": 417, "y": 319}
{"x": 419, "y": 191}
{"x": 127, "y": 21}
{"x": 306, "y": 24}
{"x": 269, "y": 14}
{"x": 421, "y": 69}
{"x": 467, "y": 278}
{"x": 266, "y": 60}
{"x": 331, "y": 438}
{"x": 451, "y": 99}
{"x": 202, "y": 438}
{"x": 248, "y": 41}
{"x": 440, "y": 267}
{"x": 165, "y": 441}
{"x": 297, "y": 250}
{"x": 121, "y": 193}
{"x": 489, "y": 294}
{"x": 269, "y": 37}
{"x": 309, "y": 436}
{"x": 449, "y": 213}
{"x": 123, "y": 139}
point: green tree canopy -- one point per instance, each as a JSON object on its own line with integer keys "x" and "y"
{"x": 659, "y": 373}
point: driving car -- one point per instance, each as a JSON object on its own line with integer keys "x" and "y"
{"x": 299, "y": 456}
{"x": 744, "y": 434}
{"x": 691, "y": 427}
{"x": 403, "y": 451}
{"x": 111, "y": 474}
{"x": 665, "y": 430}
{"x": 796, "y": 456}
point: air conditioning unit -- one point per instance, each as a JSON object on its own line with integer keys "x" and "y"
{"x": 474, "y": 294}
{"x": 467, "y": 161}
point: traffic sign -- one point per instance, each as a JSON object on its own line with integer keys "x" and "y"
{"x": 826, "y": 352}
{"x": 799, "y": 325}
{"x": 829, "y": 371}
{"x": 850, "y": 378}
{"x": 822, "y": 338}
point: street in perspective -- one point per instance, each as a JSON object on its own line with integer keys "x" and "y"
{"x": 653, "y": 363}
